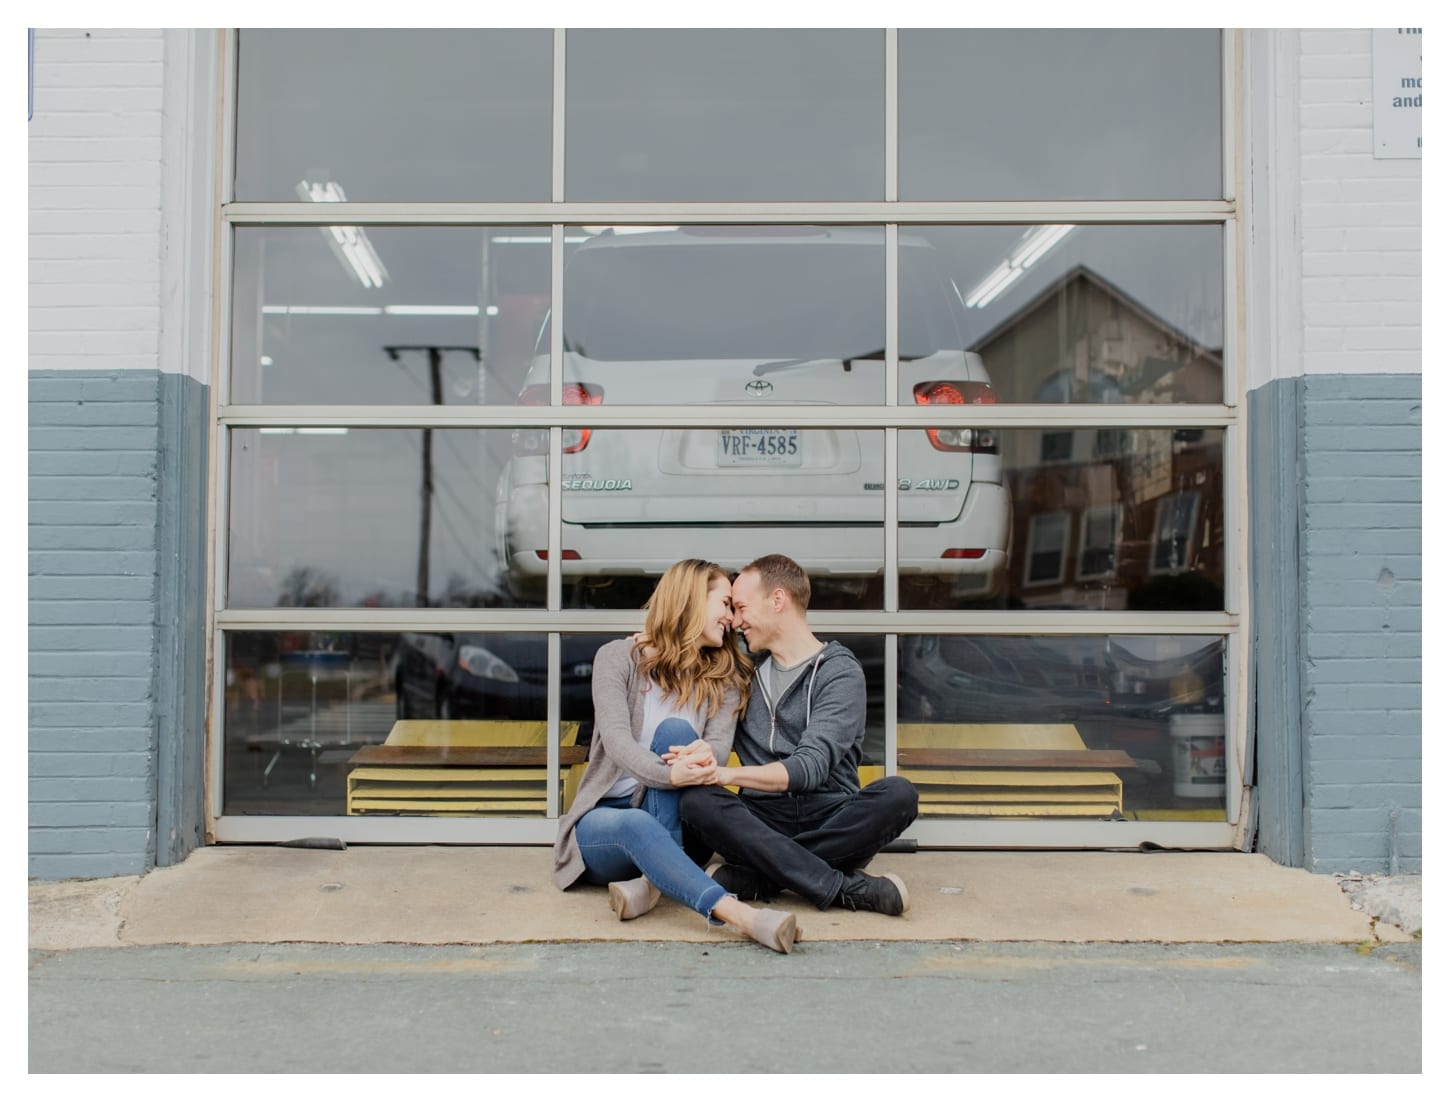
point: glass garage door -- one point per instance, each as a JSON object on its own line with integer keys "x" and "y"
{"x": 515, "y": 319}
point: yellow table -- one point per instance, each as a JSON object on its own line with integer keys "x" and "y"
{"x": 440, "y": 767}
{"x": 1009, "y": 770}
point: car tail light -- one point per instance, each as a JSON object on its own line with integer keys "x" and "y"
{"x": 567, "y": 554}
{"x": 536, "y": 441}
{"x": 943, "y": 393}
{"x": 964, "y": 552}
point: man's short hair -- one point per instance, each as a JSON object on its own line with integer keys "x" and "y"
{"x": 781, "y": 572}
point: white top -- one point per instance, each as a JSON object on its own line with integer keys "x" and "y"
{"x": 658, "y": 707}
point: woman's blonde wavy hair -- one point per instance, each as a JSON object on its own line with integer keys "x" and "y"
{"x": 669, "y": 650}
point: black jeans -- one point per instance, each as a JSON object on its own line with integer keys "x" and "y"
{"x": 805, "y": 843}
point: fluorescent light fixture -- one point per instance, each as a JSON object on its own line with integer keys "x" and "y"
{"x": 349, "y": 244}
{"x": 317, "y": 431}
{"x": 266, "y": 361}
{"x": 491, "y": 311}
{"x": 1033, "y": 247}
{"x": 433, "y": 311}
{"x": 1036, "y": 242}
{"x": 990, "y": 287}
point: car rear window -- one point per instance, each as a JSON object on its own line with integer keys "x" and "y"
{"x": 741, "y": 301}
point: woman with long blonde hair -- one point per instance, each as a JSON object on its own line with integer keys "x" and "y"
{"x": 666, "y": 702}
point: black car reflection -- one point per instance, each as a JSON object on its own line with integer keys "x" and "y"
{"x": 493, "y": 675}
{"x": 1017, "y": 679}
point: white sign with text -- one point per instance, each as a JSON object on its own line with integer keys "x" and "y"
{"x": 1396, "y": 91}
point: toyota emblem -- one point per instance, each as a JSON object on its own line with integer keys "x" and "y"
{"x": 759, "y": 387}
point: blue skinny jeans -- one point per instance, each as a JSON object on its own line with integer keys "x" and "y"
{"x": 619, "y": 842}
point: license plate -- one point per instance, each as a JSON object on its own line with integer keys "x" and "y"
{"x": 760, "y": 448}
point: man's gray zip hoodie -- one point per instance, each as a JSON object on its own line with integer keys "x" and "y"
{"x": 816, "y": 728}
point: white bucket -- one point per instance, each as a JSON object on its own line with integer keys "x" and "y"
{"x": 1197, "y": 755}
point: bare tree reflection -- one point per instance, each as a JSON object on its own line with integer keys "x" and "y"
{"x": 308, "y": 587}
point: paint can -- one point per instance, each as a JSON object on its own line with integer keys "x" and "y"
{"x": 1197, "y": 755}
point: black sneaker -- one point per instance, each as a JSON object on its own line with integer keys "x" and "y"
{"x": 744, "y": 883}
{"x": 886, "y": 895}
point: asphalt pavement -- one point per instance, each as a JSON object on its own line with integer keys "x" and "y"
{"x": 859, "y": 1007}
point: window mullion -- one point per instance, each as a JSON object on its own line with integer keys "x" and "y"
{"x": 891, "y": 565}
{"x": 1026, "y": 416}
{"x": 892, "y": 116}
{"x": 560, "y": 73}
{"x": 847, "y": 621}
{"x": 1147, "y": 212}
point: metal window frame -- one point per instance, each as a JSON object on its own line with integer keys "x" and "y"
{"x": 218, "y": 451}
{"x": 890, "y": 622}
{"x": 1149, "y": 212}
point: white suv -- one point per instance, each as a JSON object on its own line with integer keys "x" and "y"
{"x": 749, "y": 317}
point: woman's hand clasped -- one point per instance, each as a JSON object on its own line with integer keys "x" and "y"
{"x": 691, "y": 765}
{"x": 686, "y": 772}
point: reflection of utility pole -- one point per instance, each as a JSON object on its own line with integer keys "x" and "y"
{"x": 435, "y": 378}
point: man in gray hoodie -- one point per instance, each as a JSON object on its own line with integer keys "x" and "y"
{"x": 802, "y": 820}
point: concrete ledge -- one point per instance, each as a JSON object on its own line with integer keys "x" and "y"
{"x": 1395, "y": 902}
{"x": 78, "y": 914}
{"x": 479, "y": 895}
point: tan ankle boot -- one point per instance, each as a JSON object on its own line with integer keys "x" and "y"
{"x": 632, "y": 898}
{"x": 774, "y": 929}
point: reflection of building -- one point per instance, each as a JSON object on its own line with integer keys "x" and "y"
{"x": 1085, "y": 340}
{"x": 1113, "y": 530}
{"x": 1107, "y": 518}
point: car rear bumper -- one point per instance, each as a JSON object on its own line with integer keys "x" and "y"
{"x": 823, "y": 549}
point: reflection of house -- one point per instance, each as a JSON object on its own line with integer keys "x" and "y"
{"x": 1107, "y": 518}
{"x": 1084, "y": 340}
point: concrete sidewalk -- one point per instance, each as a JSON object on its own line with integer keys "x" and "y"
{"x": 440, "y": 895}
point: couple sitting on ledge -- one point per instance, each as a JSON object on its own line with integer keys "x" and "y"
{"x": 669, "y": 705}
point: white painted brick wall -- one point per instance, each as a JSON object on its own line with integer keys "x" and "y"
{"x": 1360, "y": 219}
{"x": 95, "y": 318}
{"x": 95, "y": 200}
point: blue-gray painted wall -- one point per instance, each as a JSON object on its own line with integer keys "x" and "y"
{"x": 1275, "y": 460}
{"x": 115, "y": 661}
{"x": 1336, "y": 570}
{"x": 181, "y": 621}
{"x": 1362, "y": 599}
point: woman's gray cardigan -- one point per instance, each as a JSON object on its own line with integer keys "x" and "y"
{"x": 619, "y": 692}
